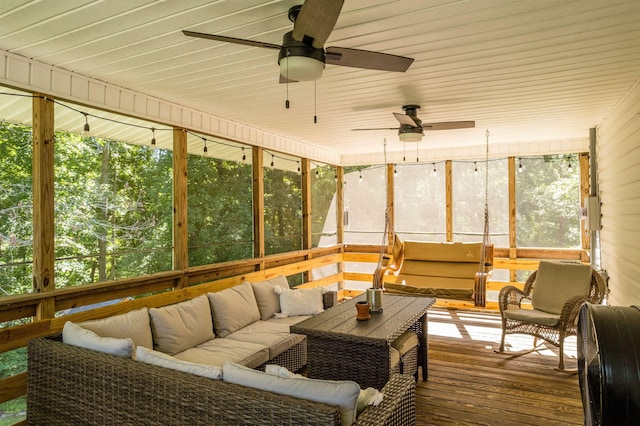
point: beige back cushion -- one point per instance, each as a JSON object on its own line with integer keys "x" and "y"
{"x": 267, "y": 299}
{"x": 557, "y": 282}
{"x": 73, "y": 334}
{"x": 442, "y": 252}
{"x": 343, "y": 394}
{"x": 134, "y": 325}
{"x": 233, "y": 308}
{"x": 181, "y": 326}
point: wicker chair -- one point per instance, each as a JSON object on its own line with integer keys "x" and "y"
{"x": 556, "y": 291}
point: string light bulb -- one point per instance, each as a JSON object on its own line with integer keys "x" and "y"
{"x": 244, "y": 155}
{"x": 298, "y": 166}
{"x": 475, "y": 169}
{"x": 395, "y": 170}
{"x": 519, "y": 165}
{"x": 569, "y": 168}
{"x": 205, "y": 150}
{"x": 435, "y": 172}
{"x": 272, "y": 160}
{"x": 317, "y": 171}
{"x": 360, "y": 178}
{"x": 153, "y": 136}
{"x": 335, "y": 175}
{"x": 86, "y": 128}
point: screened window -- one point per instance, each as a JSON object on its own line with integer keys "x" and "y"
{"x": 113, "y": 198}
{"x": 365, "y": 202}
{"x": 282, "y": 203}
{"x": 420, "y": 202}
{"x": 220, "y": 204}
{"x": 468, "y": 181}
{"x": 16, "y": 201}
{"x": 323, "y": 206}
{"x": 548, "y": 200}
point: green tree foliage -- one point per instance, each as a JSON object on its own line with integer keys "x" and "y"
{"x": 548, "y": 201}
{"x": 112, "y": 209}
{"x": 16, "y": 209}
{"x": 283, "y": 211}
{"x": 220, "y": 210}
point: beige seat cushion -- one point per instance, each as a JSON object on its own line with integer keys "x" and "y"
{"x": 440, "y": 269}
{"x": 233, "y": 308}
{"x": 273, "y": 335}
{"x": 405, "y": 342}
{"x": 394, "y": 355}
{"x": 218, "y": 351}
{"x": 532, "y": 316}
{"x": 182, "y": 325}
{"x": 557, "y": 282}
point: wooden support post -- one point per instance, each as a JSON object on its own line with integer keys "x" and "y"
{"x": 258, "y": 203}
{"x": 512, "y": 215}
{"x": 584, "y": 194}
{"x": 307, "y": 231}
{"x": 340, "y": 217}
{"x": 390, "y": 203}
{"x": 448, "y": 172}
{"x": 180, "y": 221}
{"x": 340, "y": 212}
{"x": 43, "y": 204}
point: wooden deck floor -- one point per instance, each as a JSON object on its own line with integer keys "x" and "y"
{"x": 469, "y": 384}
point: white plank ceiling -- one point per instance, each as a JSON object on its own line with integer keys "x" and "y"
{"x": 538, "y": 72}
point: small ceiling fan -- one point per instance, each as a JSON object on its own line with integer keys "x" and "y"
{"x": 412, "y": 129}
{"x": 302, "y": 54}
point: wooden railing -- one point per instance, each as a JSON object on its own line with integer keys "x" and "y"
{"x": 210, "y": 278}
{"x": 165, "y": 285}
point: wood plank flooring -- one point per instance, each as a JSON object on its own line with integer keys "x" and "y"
{"x": 469, "y": 384}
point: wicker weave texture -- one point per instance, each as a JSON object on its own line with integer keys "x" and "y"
{"x": 68, "y": 385}
{"x": 511, "y": 297}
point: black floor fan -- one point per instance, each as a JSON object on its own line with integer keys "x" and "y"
{"x": 609, "y": 364}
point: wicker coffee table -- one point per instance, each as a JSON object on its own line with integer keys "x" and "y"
{"x": 340, "y": 347}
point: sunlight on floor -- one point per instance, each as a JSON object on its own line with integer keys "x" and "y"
{"x": 486, "y": 327}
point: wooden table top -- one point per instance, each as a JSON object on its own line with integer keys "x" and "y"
{"x": 398, "y": 314}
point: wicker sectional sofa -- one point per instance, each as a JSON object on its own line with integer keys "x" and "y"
{"x": 69, "y": 385}
{"x": 89, "y": 374}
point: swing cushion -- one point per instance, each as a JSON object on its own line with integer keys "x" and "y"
{"x": 439, "y": 269}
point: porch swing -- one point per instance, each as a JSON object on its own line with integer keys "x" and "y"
{"x": 449, "y": 270}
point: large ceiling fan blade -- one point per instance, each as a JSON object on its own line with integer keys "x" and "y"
{"x": 405, "y": 119}
{"x": 449, "y": 125}
{"x": 367, "y": 59}
{"x": 226, "y": 39}
{"x": 316, "y": 21}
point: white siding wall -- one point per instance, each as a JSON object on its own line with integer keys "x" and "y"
{"x": 618, "y": 156}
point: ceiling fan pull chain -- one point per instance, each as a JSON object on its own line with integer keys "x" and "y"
{"x": 286, "y": 103}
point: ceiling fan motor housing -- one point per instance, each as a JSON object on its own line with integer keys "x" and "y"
{"x": 408, "y": 133}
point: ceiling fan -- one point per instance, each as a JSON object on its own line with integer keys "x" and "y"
{"x": 302, "y": 54}
{"x": 412, "y": 129}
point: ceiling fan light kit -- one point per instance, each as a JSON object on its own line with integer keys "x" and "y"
{"x": 300, "y": 62}
{"x": 410, "y": 134}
